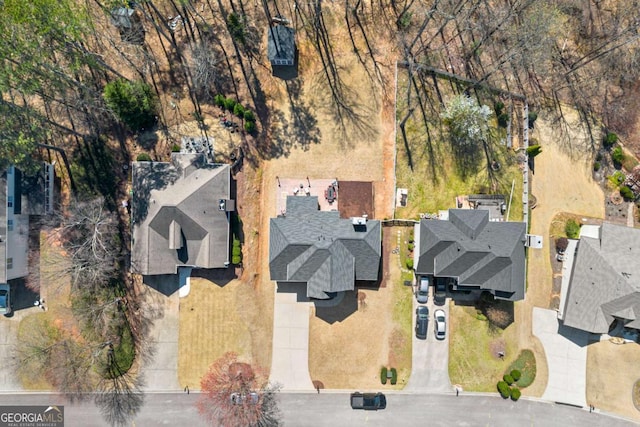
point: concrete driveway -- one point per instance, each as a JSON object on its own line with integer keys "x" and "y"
{"x": 290, "y": 358}
{"x": 8, "y": 340}
{"x": 566, "y": 351}
{"x": 430, "y": 361}
{"x": 161, "y": 373}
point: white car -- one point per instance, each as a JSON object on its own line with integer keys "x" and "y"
{"x": 422, "y": 293}
{"x": 440, "y": 324}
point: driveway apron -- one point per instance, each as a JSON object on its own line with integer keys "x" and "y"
{"x": 566, "y": 351}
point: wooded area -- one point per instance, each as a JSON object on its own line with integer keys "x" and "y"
{"x": 88, "y": 82}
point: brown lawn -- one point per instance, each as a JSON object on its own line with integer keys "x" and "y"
{"x": 612, "y": 371}
{"x": 371, "y": 328}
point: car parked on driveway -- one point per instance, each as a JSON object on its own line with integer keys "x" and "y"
{"x": 422, "y": 319}
{"x": 440, "y": 324}
{"x": 5, "y": 299}
{"x": 422, "y": 293}
{"x": 440, "y": 293}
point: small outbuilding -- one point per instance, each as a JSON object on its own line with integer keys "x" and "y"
{"x": 281, "y": 48}
{"x": 128, "y": 23}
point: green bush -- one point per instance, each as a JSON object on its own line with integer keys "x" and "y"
{"x": 515, "y": 374}
{"x": 410, "y": 246}
{"x": 481, "y": 316}
{"x": 383, "y": 375}
{"x": 610, "y": 139}
{"x": 526, "y": 364}
{"x": 410, "y": 263}
{"x": 236, "y": 252}
{"x": 124, "y": 354}
{"x": 503, "y": 120}
{"x": 230, "y": 104}
{"x": 617, "y": 178}
{"x": 134, "y": 103}
{"x": 572, "y": 229}
{"x": 534, "y": 150}
{"x": 531, "y": 118}
{"x": 249, "y": 116}
{"x": 598, "y": 157}
{"x": 626, "y": 193}
{"x": 507, "y": 379}
{"x": 515, "y": 393}
{"x": 238, "y": 110}
{"x": 617, "y": 156}
{"x": 411, "y": 236}
{"x": 504, "y": 389}
{"x": 596, "y": 166}
{"x": 250, "y": 127}
{"x": 175, "y": 148}
{"x": 498, "y": 107}
{"x": 220, "y": 100}
{"x": 143, "y": 157}
{"x": 394, "y": 376}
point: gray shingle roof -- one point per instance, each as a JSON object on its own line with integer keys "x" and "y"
{"x": 281, "y": 43}
{"x": 479, "y": 253}
{"x": 176, "y": 219}
{"x": 321, "y": 249}
{"x": 605, "y": 280}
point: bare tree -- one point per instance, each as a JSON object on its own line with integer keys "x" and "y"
{"x": 89, "y": 233}
{"x": 234, "y": 394}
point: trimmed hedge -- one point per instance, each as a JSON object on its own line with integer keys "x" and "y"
{"x": 249, "y": 116}
{"x": 410, "y": 263}
{"x": 627, "y": 193}
{"x": 236, "y": 252}
{"x": 394, "y": 376}
{"x": 238, "y": 110}
{"x": 572, "y": 229}
{"x": 610, "y": 139}
{"x": 250, "y": 127}
{"x": 515, "y": 374}
{"x": 143, "y": 157}
{"x": 508, "y": 379}
{"x": 515, "y": 393}
{"x": 504, "y": 389}
{"x": 383, "y": 375}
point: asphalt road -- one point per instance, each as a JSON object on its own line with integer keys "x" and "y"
{"x": 333, "y": 409}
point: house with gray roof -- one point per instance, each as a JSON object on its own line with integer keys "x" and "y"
{"x": 21, "y": 197}
{"x": 322, "y": 251}
{"x": 476, "y": 253}
{"x": 281, "y": 45}
{"x": 605, "y": 281}
{"x": 180, "y": 215}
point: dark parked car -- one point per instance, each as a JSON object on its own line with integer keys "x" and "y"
{"x": 440, "y": 294}
{"x": 422, "y": 319}
{"x": 368, "y": 401}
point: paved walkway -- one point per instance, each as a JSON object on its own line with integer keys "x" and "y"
{"x": 430, "y": 360}
{"x": 566, "y": 351}
{"x": 290, "y": 359}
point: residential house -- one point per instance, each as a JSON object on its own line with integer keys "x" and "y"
{"x": 21, "y": 197}
{"x": 476, "y": 254}
{"x": 321, "y": 251}
{"x": 604, "y": 284}
{"x": 180, "y": 214}
{"x": 281, "y": 45}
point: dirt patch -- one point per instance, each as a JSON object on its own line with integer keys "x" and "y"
{"x": 610, "y": 386}
{"x": 497, "y": 348}
{"x": 356, "y": 199}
